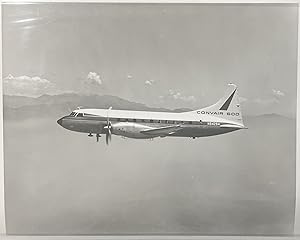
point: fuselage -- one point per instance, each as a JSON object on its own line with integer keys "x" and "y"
{"x": 144, "y": 124}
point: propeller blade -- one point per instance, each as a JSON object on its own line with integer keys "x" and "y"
{"x": 107, "y": 136}
{"x": 108, "y": 114}
{"x": 108, "y": 128}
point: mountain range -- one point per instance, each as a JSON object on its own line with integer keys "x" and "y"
{"x": 23, "y": 107}
{"x": 20, "y": 107}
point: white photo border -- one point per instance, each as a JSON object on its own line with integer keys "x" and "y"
{"x": 297, "y": 200}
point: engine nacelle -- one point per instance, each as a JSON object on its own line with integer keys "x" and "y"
{"x": 130, "y": 129}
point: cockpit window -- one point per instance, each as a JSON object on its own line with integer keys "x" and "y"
{"x": 73, "y": 114}
{"x": 79, "y": 115}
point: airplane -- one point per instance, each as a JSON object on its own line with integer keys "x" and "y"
{"x": 222, "y": 117}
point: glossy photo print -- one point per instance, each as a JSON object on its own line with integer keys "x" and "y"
{"x": 149, "y": 119}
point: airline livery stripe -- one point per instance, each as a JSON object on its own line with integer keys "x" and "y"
{"x": 228, "y": 101}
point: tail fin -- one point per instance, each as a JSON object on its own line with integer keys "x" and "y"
{"x": 228, "y": 107}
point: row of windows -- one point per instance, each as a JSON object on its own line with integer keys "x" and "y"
{"x": 143, "y": 120}
{"x": 154, "y": 121}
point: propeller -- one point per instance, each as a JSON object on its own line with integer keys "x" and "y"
{"x": 108, "y": 128}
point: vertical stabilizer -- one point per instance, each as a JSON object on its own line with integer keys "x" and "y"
{"x": 228, "y": 107}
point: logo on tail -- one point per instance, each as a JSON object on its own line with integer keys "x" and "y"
{"x": 228, "y": 101}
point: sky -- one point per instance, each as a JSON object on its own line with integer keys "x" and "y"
{"x": 163, "y": 55}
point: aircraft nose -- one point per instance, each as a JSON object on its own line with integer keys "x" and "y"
{"x": 59, "y": 121}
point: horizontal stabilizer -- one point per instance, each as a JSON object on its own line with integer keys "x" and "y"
{"x": 163, "y": 131}
{"x": 233, "y": 126}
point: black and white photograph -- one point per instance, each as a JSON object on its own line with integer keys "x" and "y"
{"x": 149, "y": 118}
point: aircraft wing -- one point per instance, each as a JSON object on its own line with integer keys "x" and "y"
{"x": 162, "y": 131}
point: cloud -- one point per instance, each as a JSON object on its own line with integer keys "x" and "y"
{"x": 149, "y": 82}
{"x": 27, "y": 86}
{"x": 273, "y": 99}
{"x": 92, "y": 84}
{"x": 175, "y": 95}
{"x": 129, "y": 76}
{"x": 277, "y": 93}
{"x": 93, "y": 78}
